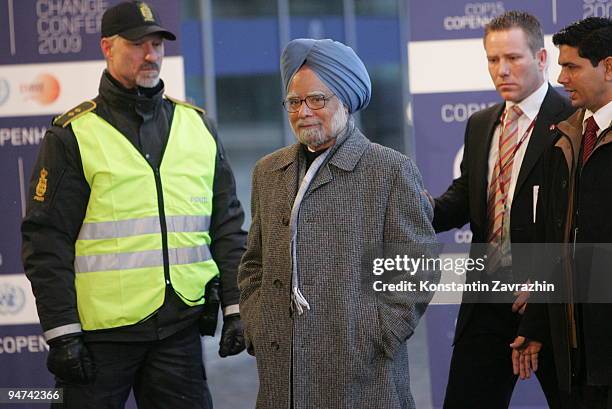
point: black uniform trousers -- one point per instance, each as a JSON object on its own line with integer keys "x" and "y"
{"x": 481, "y": 375}
{"x": 167, "y": 373}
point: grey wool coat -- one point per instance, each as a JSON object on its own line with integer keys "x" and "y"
{"x": 349, "y": 350}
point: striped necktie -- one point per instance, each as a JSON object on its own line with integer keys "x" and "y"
{"x": 502, "y": 173}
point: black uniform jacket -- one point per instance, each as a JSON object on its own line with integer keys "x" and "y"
{"x": 51, "y": 226}
{"x": 465, "y": 201}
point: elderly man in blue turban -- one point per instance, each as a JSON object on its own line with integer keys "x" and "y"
{"x": 322, "y": 337}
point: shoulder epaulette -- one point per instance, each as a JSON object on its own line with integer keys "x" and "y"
{"x": 187, "y": 104}
{"x": 64, "y": 119}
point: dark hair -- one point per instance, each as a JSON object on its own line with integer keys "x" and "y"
{"x": 519, "y": 19}
{"x": 591, "y": 36}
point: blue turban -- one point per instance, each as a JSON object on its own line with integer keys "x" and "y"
{"x": 335, "y": 64}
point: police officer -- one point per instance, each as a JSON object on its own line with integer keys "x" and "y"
{"x": 132, "y": 216}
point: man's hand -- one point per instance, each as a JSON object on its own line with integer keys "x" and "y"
{"x": 70, "y": 360}
{"x": 520, "y": 303}
{"x": 232, "y": 336}
{"x": 525, "y": 356}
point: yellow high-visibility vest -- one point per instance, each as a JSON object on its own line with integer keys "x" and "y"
{"x": 144, "y": 228}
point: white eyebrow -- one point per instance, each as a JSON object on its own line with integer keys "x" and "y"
{"x": 310, "y": 94}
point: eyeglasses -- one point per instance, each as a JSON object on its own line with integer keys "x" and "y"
{"x": 313, "y": 102}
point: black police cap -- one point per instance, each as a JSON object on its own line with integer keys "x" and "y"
{"x": 133, "y": 20}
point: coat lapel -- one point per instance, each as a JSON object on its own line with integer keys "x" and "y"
{"x": 541, "y": 136}
{"x": 323, "y": 177}
{"x": 480, "y": 168}
{"x": 290, "y": 180}
{"x": 345, "y": 157}
{"x": 287, "y": 165}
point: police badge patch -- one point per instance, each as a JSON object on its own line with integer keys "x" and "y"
{"x": 146, "y": 12}
{"x": 41, "y": 187}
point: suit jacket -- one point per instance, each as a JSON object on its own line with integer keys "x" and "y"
{"x": 349, "y": 349}
{"x": 465, "y": 201}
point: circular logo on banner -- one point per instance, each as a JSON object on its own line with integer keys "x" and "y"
{"x": 45, "y": 89}
{"x": 12, "y": 299}
{"x": 5, "y": 90}
{"x": 49, "y": 88}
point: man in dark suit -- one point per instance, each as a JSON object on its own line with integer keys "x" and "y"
{"x": 496, "y": 193}
{"x": 573, "y": 211}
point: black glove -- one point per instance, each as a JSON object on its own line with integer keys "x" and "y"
{"x": 232, "y": 336}
{"x": 70, "y": 360}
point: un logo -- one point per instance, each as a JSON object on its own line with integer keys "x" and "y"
{"x": 12, "y": 299}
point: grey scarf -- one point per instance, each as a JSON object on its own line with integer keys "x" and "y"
{"x": 298, "y": 301}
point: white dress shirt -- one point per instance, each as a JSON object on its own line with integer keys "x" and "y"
{"x": 603, "y": 117}
{"x": 530, "y": 107}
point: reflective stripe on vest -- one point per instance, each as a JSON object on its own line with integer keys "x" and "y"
{"x": 146, "y": 225}
{"x": 119, "y": 261}
{"x": 140, "y": 259}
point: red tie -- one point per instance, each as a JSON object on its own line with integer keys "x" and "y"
{"x": 589, "y": 139}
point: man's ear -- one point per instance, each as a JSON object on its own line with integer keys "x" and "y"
{"x": 542, "y": 57}
{"x": 607, "y": 62}
{"x": 105, "y": 45}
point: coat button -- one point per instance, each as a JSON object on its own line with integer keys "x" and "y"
{"x": 274, "y": 345}
{"x": 285, "y": 221}
{"x": 278, "y": 283}
{"x": 564, "y": 184}
{"x": 559, "y": 223}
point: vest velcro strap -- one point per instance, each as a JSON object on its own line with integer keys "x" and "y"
{"x": 145, "y": 225}
{"x": 140, "y": 259}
